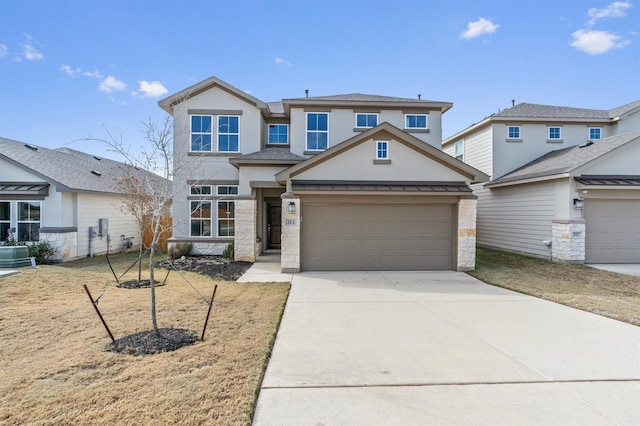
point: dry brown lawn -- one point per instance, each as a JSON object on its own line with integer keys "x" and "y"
{"x": 54, "y": 369}
{"x": 605, "y": 293}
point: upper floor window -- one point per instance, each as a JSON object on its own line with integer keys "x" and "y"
{"x": 227, "y": 190}
{"x": 382, "y": 150}
{"x": 28, "y": 220}
{"x": 228, "y": 133}
{"x": 201, "y": 133}
{"x": 278, "y": 134}
{"x": 458, "y": 150}
{"x": 415, "y": 121}
{"x": 200, "y": 189}
{"x": 366, "y": 120}
{"x": 554, "y": 133}
{"x": 595, "y": 133}
{"x": 317, "y": 131}
{"x": 513, "y": 132}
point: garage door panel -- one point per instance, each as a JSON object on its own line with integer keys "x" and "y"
{"x": 377, "y": 237}
{"x": 612, "y": 231}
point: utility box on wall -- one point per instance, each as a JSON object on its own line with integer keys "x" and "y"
{"x": 103, "y": 227}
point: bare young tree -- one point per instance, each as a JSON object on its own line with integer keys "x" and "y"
{"x": 147, "y": 196}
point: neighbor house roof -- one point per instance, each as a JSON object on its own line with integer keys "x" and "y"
{"x": 549, "y": 113}
{"x": 363, "y": 100}
{"x": 565, "y": 161}
{"x": 69, "y": 170}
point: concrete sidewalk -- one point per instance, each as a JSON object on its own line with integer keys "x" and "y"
{"x": 266, "y": 269}
{"x": 387, "y": 348}
{"x": 620, "y": 268}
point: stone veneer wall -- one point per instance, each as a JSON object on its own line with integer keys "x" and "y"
{"x": 568, "y": 241}
{"x": 466, "y": 234}
{"x": 245, "y": 230}
{"x": 65, "y": 242}
{"x": 290, "y": 248}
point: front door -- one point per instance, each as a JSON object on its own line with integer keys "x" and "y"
{"x": 274, "y": 226}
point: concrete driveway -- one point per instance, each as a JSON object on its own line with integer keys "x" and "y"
{"x": 415, "y": 348}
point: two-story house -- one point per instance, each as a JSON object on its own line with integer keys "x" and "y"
{"x": 565, "y": 181}
{"x": 346, "y": 182}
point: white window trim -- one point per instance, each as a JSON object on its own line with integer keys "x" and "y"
{"x": 219, "y": 133}
{"x": 519, "y": 137}
{"x": 226, "y": 186}
{"x": 191, "y": 132}
{"x": 201, "y": 219}
{"x": 589, "y": 134}
{"x": 378, "y": 150}
{"x": 277, "y": 143}
{"x": 306, "y": 134}
{"x": 366, "y": 113}
{"x": 6, "y": 221}
{"x": 457, "y": 144}
{"x": 192, "y": 187}
{"x": 18, "y": 221}
{"x": 426, "y": 121}
{"x": 217, "y": 219}
{"x": 559, "y": 133}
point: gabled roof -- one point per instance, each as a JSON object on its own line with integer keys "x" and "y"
{"x": 363, "y": 100}
{"x": 168, "y": 103}
{"x": 268, "y": 156}
{"x": 550, "y": 113}
{"x": 427, "y": 150}
{"x": 69, "y": 170}
{"x": 562, "y": 162}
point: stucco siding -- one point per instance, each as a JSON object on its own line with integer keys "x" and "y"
{"x": 516, "y": 218}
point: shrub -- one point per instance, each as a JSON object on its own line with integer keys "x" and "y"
{"x": 178, "y": 250}
{"x": 228, "y": 252}
{"x": 10, "y": 241}
{"x": 42, "y": 251}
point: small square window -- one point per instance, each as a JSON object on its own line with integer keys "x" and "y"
{"x": 200, "y": 189}
{"x": 595, "y": 133}
{"x": 382, "y": 150}
{"x": 415, "y": 121}
{"x": 366, "y": 120}
{"x": 554, "y": 133}
{"x": 513, "y": 132}
{"x": 227, "y": 190}
{"x": 278, "y": 134}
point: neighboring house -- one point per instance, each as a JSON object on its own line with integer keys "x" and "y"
{"x": 66, "y": 197}
{"x": 347, "y": 182}
{"x": 565, "y": 176}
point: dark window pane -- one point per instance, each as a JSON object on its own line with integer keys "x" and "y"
{"x": 5, "y": 210}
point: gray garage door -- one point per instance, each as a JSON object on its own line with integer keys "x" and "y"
{"x": 612, "y": 231}
{"x": 377, "y": 237}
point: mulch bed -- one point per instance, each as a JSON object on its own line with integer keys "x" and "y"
{"x": 149, "y": 343}
{"x": 171, "y": 339}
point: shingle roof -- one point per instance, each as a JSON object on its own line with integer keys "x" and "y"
{"x": 268, "y": 156}
{"x": 623, "y": 109}
{"x": 275, "y": 107}
{"x": 359, "y": 97}
{"x": 568, "y": 159}
{"x": 525, "y": 110}
{"x": 68, "y": 169}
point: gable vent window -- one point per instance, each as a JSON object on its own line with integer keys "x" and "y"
{"x": 95, "y": 172}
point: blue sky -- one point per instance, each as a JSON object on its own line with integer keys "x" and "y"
{"x": 74, "y": 69}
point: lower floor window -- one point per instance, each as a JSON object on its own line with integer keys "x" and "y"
{"x": 226, "y": 218}
{"x": 200, "y": 218}
{"x": 28, "y": 220}
{"x": 5, "y": 219}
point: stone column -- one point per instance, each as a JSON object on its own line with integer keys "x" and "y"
{"x": 466, "y": 234}
{"x": 245, "y": 230}
{"x": 290, "y": 248}
{"x": 568, "y": 241}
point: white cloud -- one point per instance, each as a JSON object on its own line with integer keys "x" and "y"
{"x": 152, "y": 89}
{"x": 93, "y": 74}
{"x": 71, "y": 72}
{"x": 280, "y": 61}
{"x": 477, "y": 28}
{"x": 112, "y": 84}
{"x": 29, "y": 52}
{"x": 617, "y": 9}
{"x": 4, "y": 50}
{"x": 597, "y": 42}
